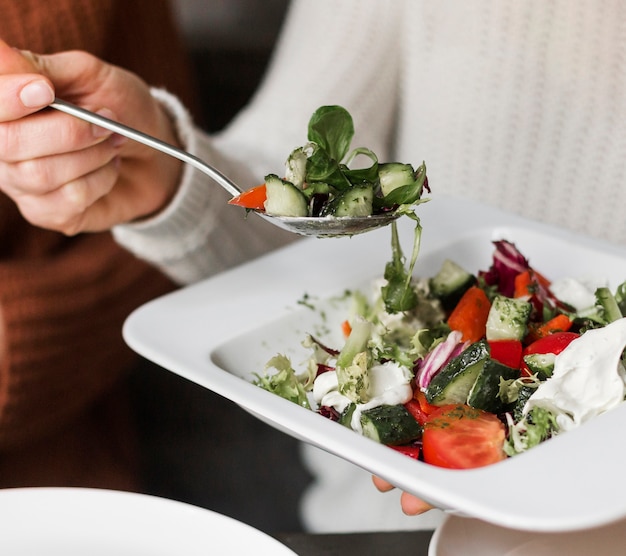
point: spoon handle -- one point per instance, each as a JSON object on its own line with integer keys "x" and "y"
{"x": 147, "y": 140}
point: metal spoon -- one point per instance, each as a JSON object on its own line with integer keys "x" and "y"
{"x": 328, "y": 226}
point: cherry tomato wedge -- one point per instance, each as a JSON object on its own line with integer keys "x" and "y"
{"x": 251, "y": 199}
{"x": 461, "y": 437}
{"x": 552, "y": 343}
{"x": 411, "y": 451}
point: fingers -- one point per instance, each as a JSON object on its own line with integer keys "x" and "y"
{"x": 381, "y": 484}
{"x": 22, "y": 90}
{"x": 39, "y": 175}
{"x": 48, "y": 133}
{"x": 411, "y": 505}
{"x": 21, "y": 95}
{"x": 63, "y": 173}
{"x": 67, "y": 208}
{"x": 13, "y": 60}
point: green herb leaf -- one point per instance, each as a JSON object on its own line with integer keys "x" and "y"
{"x": 332, "y": 128}
{"x": 398, "y": 294}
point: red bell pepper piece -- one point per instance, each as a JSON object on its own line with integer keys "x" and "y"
{"x": 253, "y": 198}
{"x": 507, "y": 352}
{"x": 470, "y": 314}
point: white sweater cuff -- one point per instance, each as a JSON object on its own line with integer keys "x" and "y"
{"x": 175, "y": 240}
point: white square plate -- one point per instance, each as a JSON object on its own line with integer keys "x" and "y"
{"x": 220, "y": 332}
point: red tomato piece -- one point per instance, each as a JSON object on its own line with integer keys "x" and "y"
{"x": 411, "y": 451}
{"x": 462, "y": 437}
{"x": 415, "y": 409}
{"x": 552, "y": 343}
{"x": 253, "y": 198}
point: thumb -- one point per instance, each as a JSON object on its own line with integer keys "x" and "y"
{"x": 16, "y": 61}
{"x": 22, "y": 89}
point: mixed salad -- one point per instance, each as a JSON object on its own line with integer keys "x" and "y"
{"x": 465, "y": 369}
{"x": 319, "y": 179}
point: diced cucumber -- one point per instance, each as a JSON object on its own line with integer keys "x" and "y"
{"x": 485, "y": 393}
{"x": 353, "y": 363}
{"x": 518, "y": 406}
{"x": 283, "y": 198}
{"x": 356, "y": 201}
{"x": 295, "y": 168}
{"x": 390, "y": 424}
{"x": 508, "y": 318}
{"x": 541, "y": 364}
{"x": 450, "y": 283}
{"x": 393, "y": 175}
{"x": 454, "y": 382}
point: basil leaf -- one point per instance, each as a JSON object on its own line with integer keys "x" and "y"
{"x": 332, "y": 128}
{"x": 321, "y": 167}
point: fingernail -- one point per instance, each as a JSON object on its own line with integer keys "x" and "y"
{"x": 99, "y": 131}
{"x": 36, "y": 94}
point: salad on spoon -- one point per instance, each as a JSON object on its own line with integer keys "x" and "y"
{"x": 321, "y": 192}
{"x": 320, "y": 195}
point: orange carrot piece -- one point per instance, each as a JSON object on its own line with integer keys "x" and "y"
{"x": 526, "y": 283}
{"x": 470, "y": 314}
{"x": 346, "y": 328}
{"x": 253, "y": 198}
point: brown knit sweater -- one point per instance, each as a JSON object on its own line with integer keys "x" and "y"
{"x": 64, "y": 415}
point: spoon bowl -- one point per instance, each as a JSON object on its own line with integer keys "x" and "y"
{"x": 323, "y": 227}
{"x": 331, "y": 226}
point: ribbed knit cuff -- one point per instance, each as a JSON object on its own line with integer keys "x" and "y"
{"x": 171, "y": 239}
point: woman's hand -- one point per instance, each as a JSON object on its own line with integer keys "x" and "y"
{"x": 68, "y": 175}
{"x": 411, "y": 505}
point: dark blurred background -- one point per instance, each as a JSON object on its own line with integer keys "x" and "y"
{"x": 229, "y": 42}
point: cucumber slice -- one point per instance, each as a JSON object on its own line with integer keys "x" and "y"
{"x": 390, "y": 424}
{"x": 284, "y": 198}
{"x": 485, "y": 393}
{"x": 454, "y": 382}
{"x": 450, "y": 283}
{"x": 507, "y": 318}
{"x": 541, "y": 364}
{"x": 356, "y": 201}
{"x": 518, "y": 406}
{"x": 393, "y": 175}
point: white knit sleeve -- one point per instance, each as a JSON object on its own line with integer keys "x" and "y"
{"x": 175, "y": 239}
{"x": 198, "y": 234}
